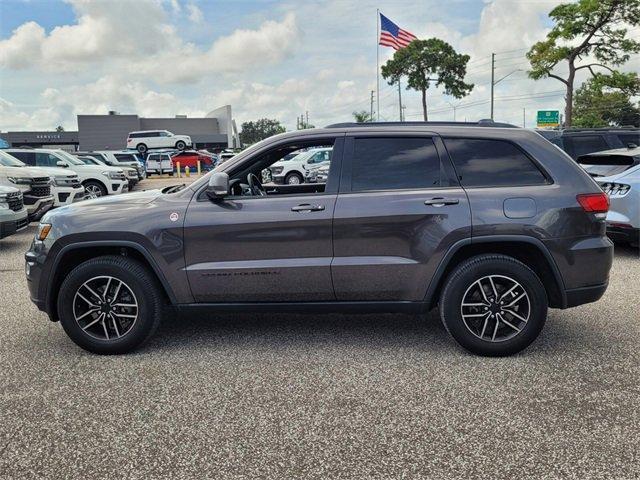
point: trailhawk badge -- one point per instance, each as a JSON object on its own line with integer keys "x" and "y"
{"x": 173, "y": 217}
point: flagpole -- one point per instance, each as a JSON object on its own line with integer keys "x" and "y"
{"x": 378, "y": 63}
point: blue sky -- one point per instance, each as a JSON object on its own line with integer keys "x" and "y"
{"x": 266, "y": 58}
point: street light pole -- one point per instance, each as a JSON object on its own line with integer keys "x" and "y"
{"x": 493, "y": 71}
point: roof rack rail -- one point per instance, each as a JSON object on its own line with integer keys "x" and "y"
{"x": 486, "y": 122}
{"x": 600, "y": 129}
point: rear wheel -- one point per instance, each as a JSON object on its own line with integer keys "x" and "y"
{"x": 493, "y": 305}
{"x": 142, "y": 148}
{"x": 109, "y": 305}
{"x": 94, "y": 189}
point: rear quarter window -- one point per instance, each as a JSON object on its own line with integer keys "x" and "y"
{"x": 492, "y": 163}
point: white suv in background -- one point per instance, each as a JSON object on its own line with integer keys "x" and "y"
{"x": 35, "y": 186}
{"x": 292, "y": 171}
{"x": 65, "y": 185}
{"x": 148, "y": 139}
{"x": 97, "y": 180}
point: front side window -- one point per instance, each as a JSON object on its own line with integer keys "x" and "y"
{"x": 46, "y": 160}
{"x": 395, "y": 163}
{"x": 492, "y": 163}
{"x": 124, "y": 157}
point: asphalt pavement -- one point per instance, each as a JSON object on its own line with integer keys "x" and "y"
{"x": 328, "y": 396}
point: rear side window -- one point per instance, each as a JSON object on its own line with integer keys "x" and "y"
{"x": 492, "y": 163}
{"x": 395, "y": 163}
{"x": 124, "y": 157}
{"x": 582, "y": 144}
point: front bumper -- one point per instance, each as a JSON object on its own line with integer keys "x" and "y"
{"x": 67, "y": 195}
{"x": 38, "y": 206}
{"x": 19, "y": 222}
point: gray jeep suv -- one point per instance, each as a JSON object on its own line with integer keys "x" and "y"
{"x": 492, "y": 224}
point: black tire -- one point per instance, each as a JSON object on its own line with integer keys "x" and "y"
{"x": 292, "y": 175}
{"x": 141, "y": 148}
{"x": 180, "y": 145}
{"x": 462, "y": 279}
{"x": 137, "y": 278}
{"x": 95, "y": 188}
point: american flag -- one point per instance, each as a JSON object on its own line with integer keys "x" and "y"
{"x": 393, "y": 36}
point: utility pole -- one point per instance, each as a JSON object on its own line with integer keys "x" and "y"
{"x": 371, "y": 114}
{"x": 404, "y": 115}
{"x": 399, "y": 100}
{"x": 307, "y": 113}
{"x": 493, "y": 71}
{"x": 524, "y": 117}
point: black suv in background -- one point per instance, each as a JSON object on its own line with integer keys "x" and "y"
{"x": 493, "y": 225}
{"x": 582, "y": 141}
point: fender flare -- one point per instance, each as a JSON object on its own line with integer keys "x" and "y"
{"x": 444, "y": 262}
{"x": 109, "y": 243}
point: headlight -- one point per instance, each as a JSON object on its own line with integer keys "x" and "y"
{"x": 62, "y": 181}
{"x": 277, "y": 170}
{"x": 3, "y": 201}
{"x": 20, "y": 180}
{"x": 114, "y": 175}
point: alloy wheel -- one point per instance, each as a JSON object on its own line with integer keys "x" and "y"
{"x": 495, "y": 308}
{"x": 93, "y": 191}
{"x": 105, "y": 308}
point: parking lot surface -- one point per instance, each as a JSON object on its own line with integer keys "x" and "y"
{"x": 331, "y": 396}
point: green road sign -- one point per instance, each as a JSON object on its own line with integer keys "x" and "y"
{"x": 548, "y": 118}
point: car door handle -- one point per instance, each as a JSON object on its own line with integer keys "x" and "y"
{"x": 441, "y": 201}
{"x": 307, "y": 207}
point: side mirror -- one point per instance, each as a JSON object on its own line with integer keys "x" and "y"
{"x": 60, "y": 163}
{"x": 218, "y": 186}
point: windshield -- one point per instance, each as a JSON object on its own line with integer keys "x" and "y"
{"x": 68, "y": 157}
{"x": 7, "y": 160}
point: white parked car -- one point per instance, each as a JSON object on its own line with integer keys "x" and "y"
{"x": 618, "y": 174}
{"x": 65, "y": 187}
{"x": 121, "y": 158}
{"x": 13, "y": 214}
{"x": 35, "y": 186}
{"x": 291, "y": 171}
{"x": 97, "y": 180}
{"x": 159, "y": 163}
{"x": 148, "y": 139}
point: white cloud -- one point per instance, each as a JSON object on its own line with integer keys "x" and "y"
{"x": 195, "y": 14}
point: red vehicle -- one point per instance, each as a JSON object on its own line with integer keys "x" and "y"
{"x": 189, "y": 158}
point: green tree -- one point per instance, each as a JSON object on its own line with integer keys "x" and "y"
{"x": 424, "y": 62}
{"x": 253, "y": 132}
{"x": 605, "y": 100}
{"x": 59, "y": 128}
{"x": 362, "y": 116}
{"x": 588, "y": 35}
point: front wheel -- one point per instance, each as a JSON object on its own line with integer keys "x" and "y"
{"x": 493, "y": 305}
{"x": 109, "y": 305}
{"x": 141, "y": 148}
{"x": 94, "y": 189}
{"x": 293, "y": 179}
{"x": 180, "y": 145}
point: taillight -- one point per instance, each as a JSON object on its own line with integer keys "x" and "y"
{"x": 594, "y": 202}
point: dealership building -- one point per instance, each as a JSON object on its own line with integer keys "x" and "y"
{"x": 216, "y": 130}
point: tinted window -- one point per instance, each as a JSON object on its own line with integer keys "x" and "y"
{"x": 46, "y": 160}
{"x": 483, "y": 163}
{"x": 394, "y": 163}
{"x": 27, "y": 157}
{"x": 135, "y": 135}
{"x": 583, "y": 144}
{"x": 124, "y": 157}
{"x": 627, "y": 138}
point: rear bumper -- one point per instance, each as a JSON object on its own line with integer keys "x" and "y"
{"x": 580, "y": 296}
